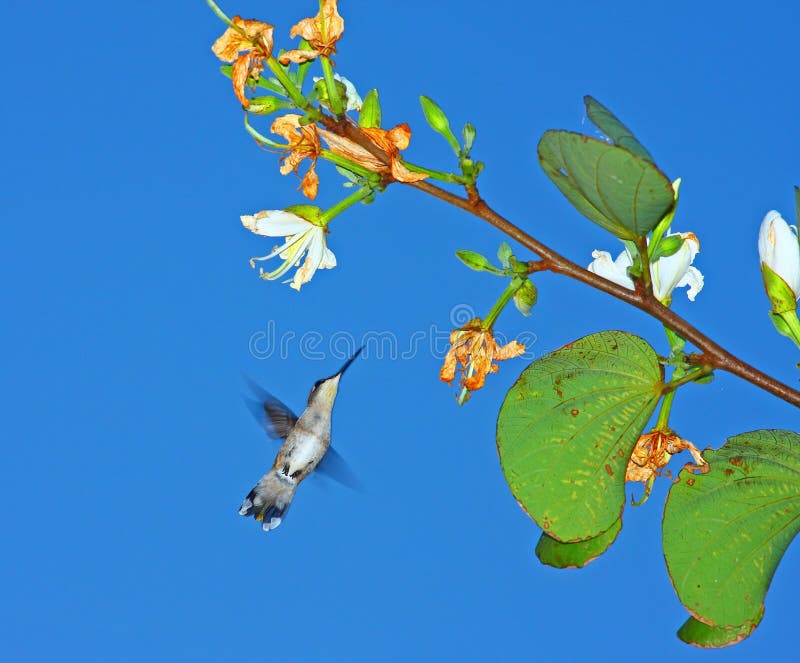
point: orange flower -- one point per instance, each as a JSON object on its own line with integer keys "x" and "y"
{"x": 254, "y": 41}
{"x": 475, "y": 349}
{"x": 391, "y": 142}
{"x": 321, "y": 32}
{"x": 652, "y": 452}
{"x": 303, "y": 144}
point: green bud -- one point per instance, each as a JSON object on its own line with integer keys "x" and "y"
{"x": 266, "y": 105}
{"x": 439, "y": 122}
{"x": 778, "y": 291}
{"x": 525, "y": 297}
{"x": 477, "y": 262}
{"x": 668, "y": 246}
{"x": 708, "y": 378}
{"x": 321, "y": 92}
{"x": 370, "y": 111}
{"x": 469, "y": 137}
{"x": 504, "y": 255}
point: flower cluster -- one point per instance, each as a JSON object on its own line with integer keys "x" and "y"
{"x": 249, "y": 45}
{"x": 667, "y": 272}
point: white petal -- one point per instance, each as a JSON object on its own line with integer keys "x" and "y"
{"x": 293, "y": 254}
{"x": 328, "y": 260}
{"x": 670, "y": 272}
{"x": 615, "y": 271}
{"x": 316, "y": 253}
{"x": 275, "y": 223}
{"x": 694, "y": 279}
{"x": 779, "y": 250}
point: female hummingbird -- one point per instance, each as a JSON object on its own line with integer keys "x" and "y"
{"x": 307, "y": 443}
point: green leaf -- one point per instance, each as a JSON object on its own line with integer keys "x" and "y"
{"x": 605, "y": 120}
{"x": 698, "y": 634}
{"x": 617, "y": 190}
{"x": 477, "y": 262}
{"x": 575, "y": 555}
{"x": 568, "y": 426}
{"x": 525, "y": 297}
{"x": 439, "y": 122}
{"x": 370, "y": 116}
{"x": 724, "y": 532}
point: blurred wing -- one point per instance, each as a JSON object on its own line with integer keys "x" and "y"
{"x": 275, "y": 417}
{"x": 335, "y": 467}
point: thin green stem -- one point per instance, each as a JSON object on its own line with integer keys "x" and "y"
{"x": 435, "y": 174}
{"x": 291, "y": 89}
{"x": 691, "y": 376}
{"x": 261, "y": 138}
{"x": 500, "y": 304}
{"x": 222, "y": 17}
{"x": 330, "y": 85}
{"x": 662, "y": 423}
{"x": 343, "y": 204}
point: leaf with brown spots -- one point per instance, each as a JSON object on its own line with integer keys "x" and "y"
{"x": 725, "y": 531}
{"x": 567, "y": 428}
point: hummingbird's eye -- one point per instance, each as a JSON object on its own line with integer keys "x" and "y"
{"x": 317, "y": 384}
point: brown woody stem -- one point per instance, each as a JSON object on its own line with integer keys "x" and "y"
{"x": 714, "y": 355}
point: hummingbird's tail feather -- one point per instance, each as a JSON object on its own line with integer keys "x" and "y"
{"x": 269, "y": 501}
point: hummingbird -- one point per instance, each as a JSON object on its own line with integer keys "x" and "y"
{"x": 307, "y": 441}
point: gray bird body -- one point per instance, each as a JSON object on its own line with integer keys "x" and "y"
{"x": 307, "y": 440}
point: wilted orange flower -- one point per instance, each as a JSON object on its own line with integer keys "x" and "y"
{"x": 303, "y": 144}
{"x": 254, "y": 42}
{"x": 321, "y": 32}
{"x": 391, "y": 141}
{"x": 652, "y": 452}
{"x": 475, "y": 349}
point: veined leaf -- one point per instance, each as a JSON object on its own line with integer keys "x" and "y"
{"x": 619, "y": 134}
{"x": 725, "y": 531}
{"x": 609, "y": 185}
{"x": 568, "y": 426}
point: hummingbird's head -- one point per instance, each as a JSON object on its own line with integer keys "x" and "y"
{"x": 324, "y": 390}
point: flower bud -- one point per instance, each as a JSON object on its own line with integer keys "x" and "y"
{"x": 779, "y": 252}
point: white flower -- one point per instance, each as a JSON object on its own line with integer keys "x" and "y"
{"x": 779, "y": 250}
{"x": 667, "y": 273}
{"x": 354, "y": 100}
{"x": 302, "y": 238}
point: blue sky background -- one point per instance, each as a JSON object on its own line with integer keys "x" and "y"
{"x": 131, "y": 308}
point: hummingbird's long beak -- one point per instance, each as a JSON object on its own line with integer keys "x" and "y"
{"x": 350, "y": 361}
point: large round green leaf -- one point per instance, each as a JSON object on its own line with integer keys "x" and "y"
{"x": 621, "y": 192}
{"x": 575, "y": 555}
{"x": 726, "y": 531}
{"x": 568, "y": 426}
